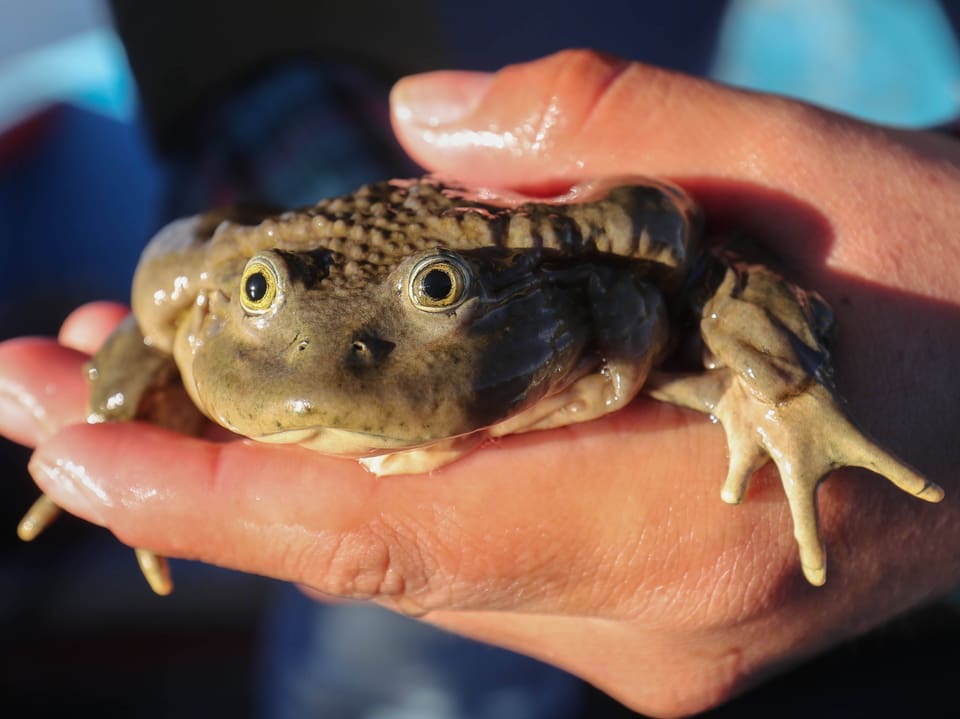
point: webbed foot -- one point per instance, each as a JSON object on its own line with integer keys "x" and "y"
{"x": 807, "y": 436}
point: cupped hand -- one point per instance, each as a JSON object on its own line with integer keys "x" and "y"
{"x": 603, "y": 548}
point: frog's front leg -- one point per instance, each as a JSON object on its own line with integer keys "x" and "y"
{"x": 628, "y": 321}
{"x": 630, "y": 332}
{"x": 129, "y": 380}
{"x": 770, "y": 388}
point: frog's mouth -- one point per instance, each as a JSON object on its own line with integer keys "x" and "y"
{"x": 339, "y": 442}
{"x": 381, "y": 455}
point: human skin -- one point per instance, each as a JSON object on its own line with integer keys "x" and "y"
{"x": 604, "y": 547}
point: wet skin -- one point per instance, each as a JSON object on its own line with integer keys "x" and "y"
{"x": 407, "y": 322}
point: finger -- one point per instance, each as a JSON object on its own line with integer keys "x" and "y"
{"x": 544, "y": 125}
{"x": 513, "y": 525}
{"x": 86, "y": 328}
{"x": 42, "y": 388}
{"x": 578, "y": 114}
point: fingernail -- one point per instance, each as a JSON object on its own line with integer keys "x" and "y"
{"x": 70, "y": 486}
{"x": 435, "y": 99}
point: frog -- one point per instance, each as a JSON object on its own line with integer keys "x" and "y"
{"x": 410, "y": 322}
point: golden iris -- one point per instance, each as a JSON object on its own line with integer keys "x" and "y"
{"x": 258, "y": 285}
{"x": 438, "y": 284}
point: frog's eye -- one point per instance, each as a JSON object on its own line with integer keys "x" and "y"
{"x": 258, "y": 285}
{"x": 439, "y": 283}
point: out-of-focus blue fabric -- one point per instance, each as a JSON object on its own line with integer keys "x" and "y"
{"x": 88, "y": 70}
{"x": 80, "y": 189}
{"x": 887, "y": 61}
{"x": 75, "y": 207}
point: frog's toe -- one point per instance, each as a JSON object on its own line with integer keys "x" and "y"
{"x": 706, "y": 392}
{"x": 746, "y": 457}
{"x": 861, "y": 452}
{"x": 816, "y": 575}
{"x": 156, "y": 570}
{"x": 40, "y": 516}
{"x": 801, "y": 490}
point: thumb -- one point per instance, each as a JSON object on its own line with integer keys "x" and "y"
{"x": 577, "y": 114}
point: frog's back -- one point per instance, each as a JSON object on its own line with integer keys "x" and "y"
{"x": 382, "y": 224}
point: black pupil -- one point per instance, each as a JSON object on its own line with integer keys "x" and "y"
{"x": 437, "y": 285}
{"x": 255, "y": 287}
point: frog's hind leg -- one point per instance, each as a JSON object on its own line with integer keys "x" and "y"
{"x": 807, "y": 436}
{"x": 43, "y": 512}
{"x": 770, "y": 391}
{"x": 150, "y": 384}
{"x": 128, "y": 380}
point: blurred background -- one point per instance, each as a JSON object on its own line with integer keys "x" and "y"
{"x": 117, "y": 117}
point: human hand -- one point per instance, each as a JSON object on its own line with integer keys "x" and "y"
{"x": 604, "y": 547}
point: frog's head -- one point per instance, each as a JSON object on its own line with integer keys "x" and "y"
{"x": 349, "y": 354}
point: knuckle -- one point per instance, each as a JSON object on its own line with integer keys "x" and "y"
{"x": 569, "y": 86}
{"x": 584, "y": 61}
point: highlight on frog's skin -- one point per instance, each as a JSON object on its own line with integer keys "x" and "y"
{"x": 579, "y": 310}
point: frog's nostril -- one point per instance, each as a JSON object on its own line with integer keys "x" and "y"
{"x": 367, "y": 350}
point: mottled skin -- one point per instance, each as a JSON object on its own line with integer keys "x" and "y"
{"x": 344, "y": 328}
{"x": 405, "y": 323}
